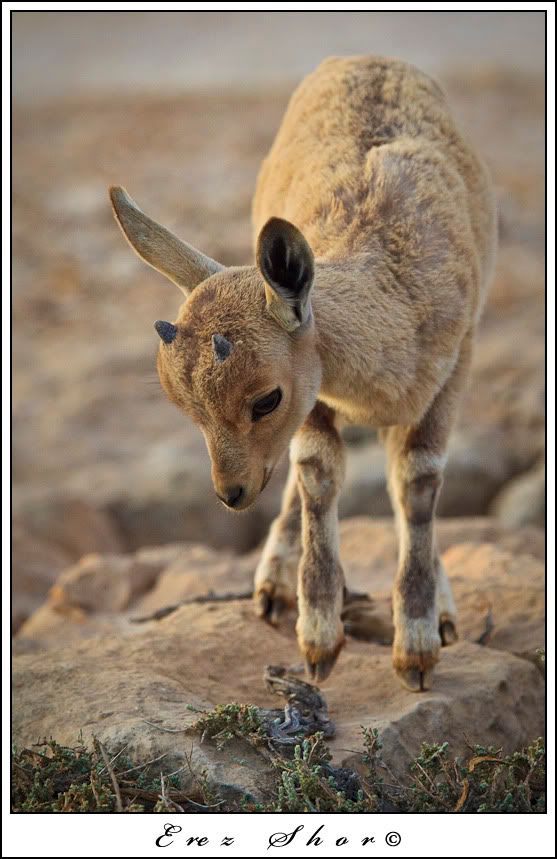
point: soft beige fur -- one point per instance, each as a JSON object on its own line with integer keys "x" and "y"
{"x": 375, "y": 239}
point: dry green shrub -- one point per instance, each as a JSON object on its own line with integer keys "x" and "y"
{"x": 228, "y": 722}
{"x": 52, "y": 778}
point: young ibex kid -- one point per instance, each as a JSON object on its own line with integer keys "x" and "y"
{"x": 375, "y": 239}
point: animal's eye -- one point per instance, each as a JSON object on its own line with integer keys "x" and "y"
{"x": 266, "y": 404}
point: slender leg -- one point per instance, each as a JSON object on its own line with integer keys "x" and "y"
{"x": 446, "y": 607}
{"x": 318, "y": 453}
{"x": 423, "y": 606}
{"x": 275, "y": 576}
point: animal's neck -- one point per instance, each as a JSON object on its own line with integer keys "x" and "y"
{"x": 346, "y": 304}
{"x": 366, "y": 331}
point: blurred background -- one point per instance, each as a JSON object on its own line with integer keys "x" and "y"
{"x": 181, "y": 108}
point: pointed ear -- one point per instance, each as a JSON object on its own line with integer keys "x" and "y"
{"x": 183, "y": 265}
{"x": 286, "y": 262}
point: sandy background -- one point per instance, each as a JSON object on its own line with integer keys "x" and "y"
{"x": 58, "y": 53}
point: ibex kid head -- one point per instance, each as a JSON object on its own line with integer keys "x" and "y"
{"x": 241, "y": 358}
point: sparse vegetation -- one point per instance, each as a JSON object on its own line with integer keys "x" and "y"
{"x": 230, "y": 721}
{"x": 309, "y": 783}
{"x": 540, "y": 658}
{"x": 52, "y": 778}
{"x": 486, "y": 782}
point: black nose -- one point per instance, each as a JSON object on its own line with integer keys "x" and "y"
{"x": 233, "y": 496}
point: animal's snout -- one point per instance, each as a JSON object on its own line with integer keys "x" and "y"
{"x": 232, "y": 496}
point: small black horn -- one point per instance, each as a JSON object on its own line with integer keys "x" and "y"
{"x": 221, "y": 347}
{"x": 166, "y": 331}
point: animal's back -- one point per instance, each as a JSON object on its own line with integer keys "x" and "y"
{"x": 368, "y": 160}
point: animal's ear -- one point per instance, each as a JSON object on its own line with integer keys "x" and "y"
{"x": 179, "y": 262}
{"x": 286, "y": 262}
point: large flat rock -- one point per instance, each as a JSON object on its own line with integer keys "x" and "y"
{"x": 490, "y": 567}
{"x": 204, "y": 655}
{"x": 83, "y": 665}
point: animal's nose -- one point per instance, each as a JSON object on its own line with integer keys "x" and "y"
{"x": 233, "y": 496}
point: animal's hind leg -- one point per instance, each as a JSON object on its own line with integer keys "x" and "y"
{"x": 423, "y": 607}
{"x": 275, "y": 576}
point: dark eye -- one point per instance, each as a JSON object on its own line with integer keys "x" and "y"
{"x": 266, "y": 404}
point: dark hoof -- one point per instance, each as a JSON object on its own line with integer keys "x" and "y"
{"x": 448, "y": 633}
{"x": 319, "y": 664}
{"x": 414, "y": 679}
{"x": 270, "y": 607}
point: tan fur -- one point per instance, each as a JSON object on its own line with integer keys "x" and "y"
{"x": 318, "y": 456}
{"x": 364, "y": 306}
{"x": 275, "y": 576}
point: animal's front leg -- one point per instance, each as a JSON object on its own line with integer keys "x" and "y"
{"x": 275, "y": 576}
{"x": 317, "y": 451}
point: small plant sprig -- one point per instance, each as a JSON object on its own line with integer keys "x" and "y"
{"x": 486, "y": 782}
{"x": 308, "y": 783}
{"x": 228, "y": 722}
{"x": 53, "y": 778}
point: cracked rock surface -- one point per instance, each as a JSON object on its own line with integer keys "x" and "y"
{"x": 81, "y": 665}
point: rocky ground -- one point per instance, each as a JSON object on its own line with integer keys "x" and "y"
{"x": 139, "y": 685}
